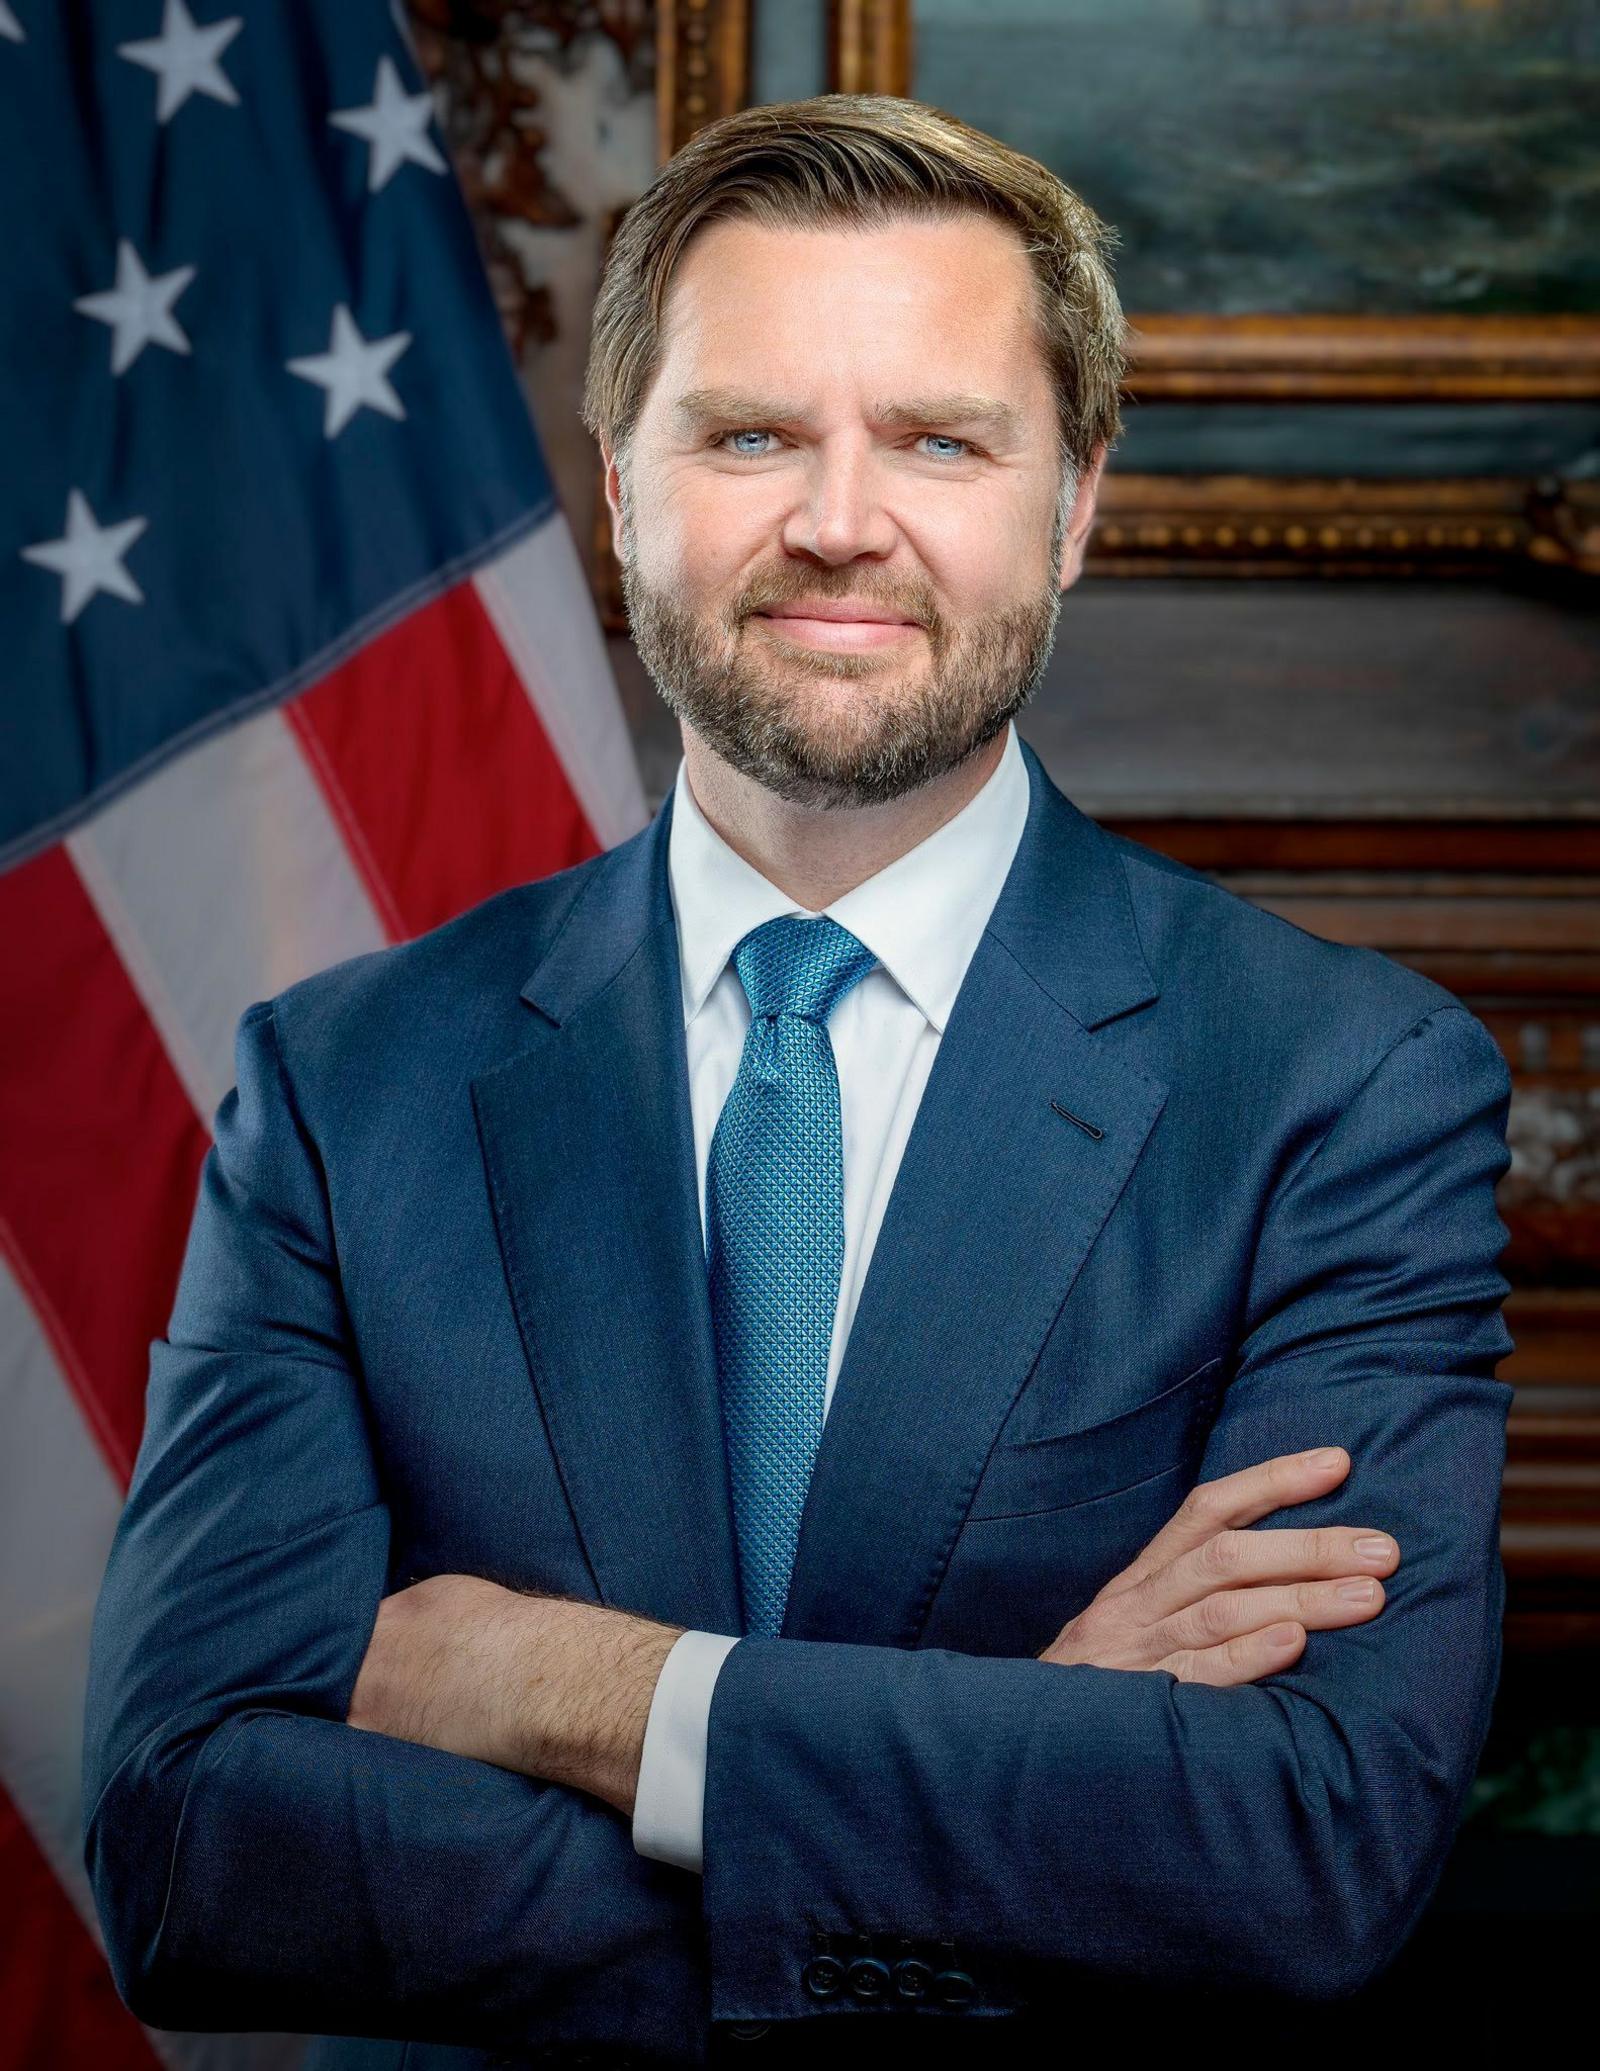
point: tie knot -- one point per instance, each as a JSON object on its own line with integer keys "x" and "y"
{"x": 796, "y": 965}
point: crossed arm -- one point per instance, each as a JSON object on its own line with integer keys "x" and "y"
{"x": 559, "y": 1688}
{"x": 550, "y": 1686}
{"x": 259, "y": 1861}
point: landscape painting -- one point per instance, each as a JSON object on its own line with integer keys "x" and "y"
{"x": 1380, "y": 157}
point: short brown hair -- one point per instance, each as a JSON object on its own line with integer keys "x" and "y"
{"x": 862, "y": 159}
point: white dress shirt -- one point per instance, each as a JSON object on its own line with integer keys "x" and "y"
{"x": 922, "y": 917}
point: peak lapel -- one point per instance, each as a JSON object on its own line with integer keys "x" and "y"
{"x": 588, "y": 1148}
{"x": 995, "y": 1207}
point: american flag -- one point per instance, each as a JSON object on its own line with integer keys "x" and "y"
{"x": 296, "y": 660}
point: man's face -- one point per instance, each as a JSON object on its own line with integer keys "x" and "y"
{"x": 847, "y": 419}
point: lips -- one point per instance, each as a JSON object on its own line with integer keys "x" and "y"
{"x": 844, "y": 612}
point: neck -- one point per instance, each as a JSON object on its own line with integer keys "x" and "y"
{"x": 816, "y": 854}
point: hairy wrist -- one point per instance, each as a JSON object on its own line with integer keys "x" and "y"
{"x": 586, "y": 1676}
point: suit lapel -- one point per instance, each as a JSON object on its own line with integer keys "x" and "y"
{"x": 995, "y": 1207}
{"x": 588, "y": 1146}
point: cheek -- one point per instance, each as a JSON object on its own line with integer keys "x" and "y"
{"x": 975, "y": 550}
{"x": 703, "y": 535}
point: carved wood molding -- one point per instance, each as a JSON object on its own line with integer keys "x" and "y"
{"x": 1297, "y": 836}
{"x": 1550, "y": 1504}
{"x": 1341, "y": 526}
{"x": 703, "y": 49}
{"x": 1364, "y": 358}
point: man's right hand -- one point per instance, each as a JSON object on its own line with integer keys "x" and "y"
{"x": 1212, "y": 1603}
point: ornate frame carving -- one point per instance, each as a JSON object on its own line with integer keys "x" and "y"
{"x": 702, "y": 65}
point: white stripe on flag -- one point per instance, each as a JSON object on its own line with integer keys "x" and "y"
{"x": 221, "y": 879}
{"x": 250, "y": 2052}
{"x": 537, "y": 600}
{"x": 61, "y": 1507}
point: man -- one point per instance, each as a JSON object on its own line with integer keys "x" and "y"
{"x": 774, "y": 1433}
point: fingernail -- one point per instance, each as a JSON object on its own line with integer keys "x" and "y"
{"x": 1283, "y": 1636}
{"x": 1329, "y": 1456}
{"x": 1357, "y": 1591}
{"x": 1374, "y": 1549}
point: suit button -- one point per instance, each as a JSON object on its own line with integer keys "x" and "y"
{"x": 954, "y": 1988}
{"x": 748, "y": 2031}
{"x": 868, "y": 1978}
{"x": 823, "y": 1976}
{"x": 912, "y": 1979}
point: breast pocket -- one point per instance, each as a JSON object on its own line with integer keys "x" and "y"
{"x": 1054, "y": 1519}
{"x": 1160, "y": 1436}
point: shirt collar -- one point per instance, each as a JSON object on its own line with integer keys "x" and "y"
{"x": 921, "y": 915}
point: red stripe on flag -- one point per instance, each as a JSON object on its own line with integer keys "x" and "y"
{"x": 435, "y": 765}
{"x": 61, "y": 2010}
{"x": 103, "y": 1148}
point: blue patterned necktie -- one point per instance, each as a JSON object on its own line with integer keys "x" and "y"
{"x": 775, "y": 1239}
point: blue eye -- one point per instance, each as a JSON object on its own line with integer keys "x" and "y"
{"x": 759, "y": 432}
{"x": 750, "y": 434}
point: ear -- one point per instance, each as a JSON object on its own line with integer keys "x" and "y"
{"x": 1076, "y": 542}
{"x": 613, "y": 488}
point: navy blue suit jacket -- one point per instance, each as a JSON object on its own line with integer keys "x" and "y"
{"x": 444, "y": 1309}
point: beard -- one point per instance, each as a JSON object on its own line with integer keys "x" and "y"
{"x": 774, "y": 716}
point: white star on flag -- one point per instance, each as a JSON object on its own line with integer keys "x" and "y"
{"x": 138, "y": 308}
{"x": 9, "y": 25}
{"x": 88, "y": 557}
{"x": 184, "y": 58}
{"x": 352, "y": 370}
{"x": 395, "y": 125}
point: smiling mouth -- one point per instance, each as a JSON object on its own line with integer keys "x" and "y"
{"x": 839, "y": 635}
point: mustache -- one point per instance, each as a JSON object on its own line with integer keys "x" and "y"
{"x": 838, "y": 588}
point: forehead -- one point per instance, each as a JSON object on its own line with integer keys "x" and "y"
{"x": 949, "y": 302}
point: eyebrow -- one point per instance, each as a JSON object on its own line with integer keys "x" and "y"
{"x": 700, "y": 408}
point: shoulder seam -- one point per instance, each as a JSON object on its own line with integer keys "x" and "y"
{"x": 1413, "y": 1028}
{"x": 296, "y": 1113}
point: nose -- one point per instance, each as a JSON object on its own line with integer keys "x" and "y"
{"x": 840, "y": 513}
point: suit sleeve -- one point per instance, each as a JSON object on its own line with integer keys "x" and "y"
{"x": 1049, "y": 1822}
{"x": 257, "y": 1863}
{"x": 669, "y": 1799}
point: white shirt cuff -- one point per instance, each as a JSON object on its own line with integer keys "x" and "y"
{"x": 669, "y": 1801}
